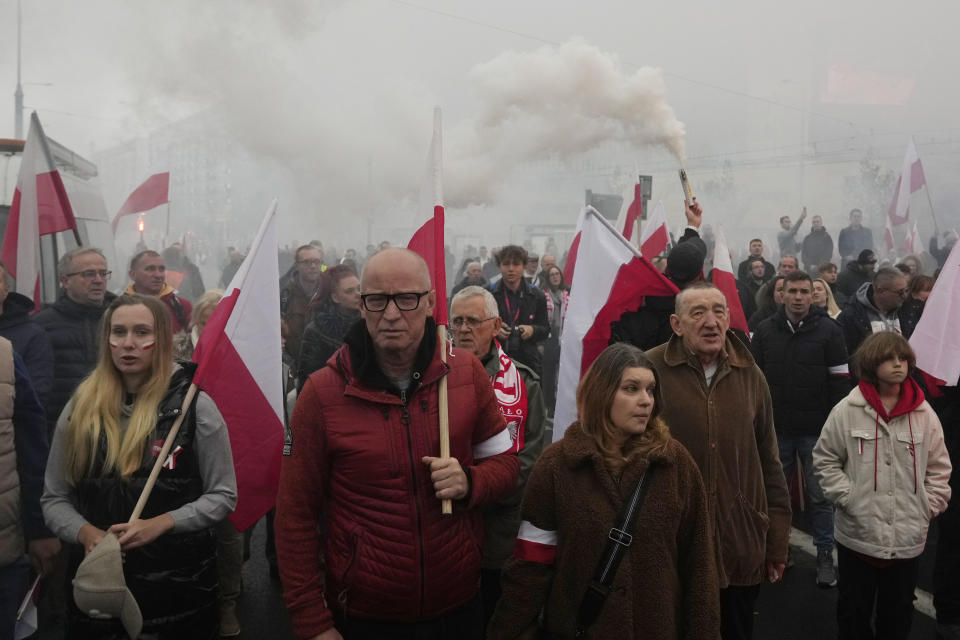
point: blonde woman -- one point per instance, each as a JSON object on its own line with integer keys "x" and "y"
{"x": 823, "y": 297}
{"x": 667, "y": 582}
{"x": 103, "y": 450}
{"x": 184, "y": 342}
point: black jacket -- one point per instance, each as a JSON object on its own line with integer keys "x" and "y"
{"x": 859, "y": 314}
{"x": 817, "y": 249}
{"x": 806, "y": 369}
{"x": 74, "y": 331}
{"x": 743, "y": 271}
{"x": 175, "y": 576}
{"x": 321, "y": 339}
{"x": 532, "y": 310}
{"x": 30, "y": 342}
{"x": 852, "y": 278}
{"x": 649, "y": 325}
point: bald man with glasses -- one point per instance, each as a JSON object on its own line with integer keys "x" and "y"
{"x": 365, "y": 463}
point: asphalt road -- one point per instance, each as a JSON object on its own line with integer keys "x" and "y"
{"x": 796, "y": 609}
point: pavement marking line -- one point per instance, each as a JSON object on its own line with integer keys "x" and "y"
{"x": 804, "y": 541}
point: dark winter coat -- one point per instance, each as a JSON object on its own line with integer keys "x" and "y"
{"x": 817, "y": 250}
{"x": 321, "y": 339}
{"x": 852, "y": 241}
{"x": 743, "y": 270}
{"x": 728, "y": 429}
{"x": 30, "y": 342}
{"x": 74, "y": 331}
{"x": 356, "y": 466}
{"x": 295, "y": 312}
{"x": 860, "y": 317}
{"x": 665, "y": 588}
{"x": 852, "y": 278}
{"x": 806, "y": 369}
{"x": 175, "y": 576}
{"x": 532, "y": 310}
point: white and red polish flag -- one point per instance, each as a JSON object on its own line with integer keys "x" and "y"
{"x": 428, "y": 239}
{"x": 912, "y": 242}
{"x": 154, "y": 192}
{"x": 240, "y": 368}
{"x": 654, "y": 239}
{"x": 569, "y": 267}
{"x": 725, "y": 280}
{"x": 40, "y": 207}
{"x": 611, "y": 277}
{"x": 634, "y": 211}
{"x": 935, "y": 340}
{"x": 888, "y": 235}
{"x": 910, "y": 181}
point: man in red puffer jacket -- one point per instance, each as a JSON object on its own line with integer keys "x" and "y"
{"x": 365, "y": 468}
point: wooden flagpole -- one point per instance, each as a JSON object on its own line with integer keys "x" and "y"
{"x": 446, "y": 505}
{"x": 926, "y": 188}
{"x": 164, "y": 452}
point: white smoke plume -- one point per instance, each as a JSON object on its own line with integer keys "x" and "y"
{"x": 556, "y": 102}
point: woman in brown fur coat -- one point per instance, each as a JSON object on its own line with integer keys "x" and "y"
{"x": 666, "y": 585}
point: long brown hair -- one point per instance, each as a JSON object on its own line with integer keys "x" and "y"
{"x": 98, "y": 400}
{"x": 595, "y": 398}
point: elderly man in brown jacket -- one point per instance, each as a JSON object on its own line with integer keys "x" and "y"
{"x": 717, "y": 404}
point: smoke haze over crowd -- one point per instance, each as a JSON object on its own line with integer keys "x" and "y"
{"x": 774, "y": 107}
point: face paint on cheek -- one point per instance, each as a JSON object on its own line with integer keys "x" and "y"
{"x": 114, "y": 343}
{"x": 146, "y": 346}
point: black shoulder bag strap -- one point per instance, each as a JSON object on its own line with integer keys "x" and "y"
{"x": 618, "y": 541}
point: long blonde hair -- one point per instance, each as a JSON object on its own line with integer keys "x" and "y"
{"x": 833, "y": 309}
{"x": 595, "y": 398}
{"x": 98, "y": 401}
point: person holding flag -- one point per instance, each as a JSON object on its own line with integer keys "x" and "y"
{"x": 364, "y": 462}
{"x": 649, "y": 324}
{"x": 104, "y": 447}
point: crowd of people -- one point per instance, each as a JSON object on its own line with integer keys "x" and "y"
{"x": 659, "y": 513}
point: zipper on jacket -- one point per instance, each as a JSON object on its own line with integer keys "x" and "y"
{"x": 405, "y": 417}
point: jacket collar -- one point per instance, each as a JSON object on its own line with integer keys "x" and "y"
{"x": 74, "y": 309}
{"x": 809, "y": 321}
{"x": 358, "y": 363}
{"x": 167, "y": 290}
{"x": 734, "y": 352}
{"x": 580, "y": 449}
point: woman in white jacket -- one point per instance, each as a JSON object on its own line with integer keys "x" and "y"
{"x": 881, "y": 458}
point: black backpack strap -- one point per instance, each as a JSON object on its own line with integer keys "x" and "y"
{"x": 618, "y": 541}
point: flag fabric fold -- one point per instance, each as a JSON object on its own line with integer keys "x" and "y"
{"x": 428, "y": 240}
{"x": 154, "y": 191}
{"x": 634, "y": 211}
{"x": 912, "y": 242}
{"x": 40, "y": 207}
{"x": 240, "y": 368}
{"x": 725, "y": 280}
{"x": 654, "y": 239}
{"x": 611, "y": 277}
{"x": 935, "y": 340}
{"x": 911, "y": 180}
{"x": 570, "y": 265}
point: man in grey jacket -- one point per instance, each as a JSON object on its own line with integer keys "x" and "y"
{"x": 475, "y": 321}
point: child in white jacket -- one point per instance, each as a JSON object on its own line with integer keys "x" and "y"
{"x": 881, "y": 458}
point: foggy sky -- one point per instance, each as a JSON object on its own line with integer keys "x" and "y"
{"x": 341, "y": 94}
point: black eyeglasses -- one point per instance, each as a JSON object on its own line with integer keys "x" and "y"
{"x": 405, "y": 301}
{"x": 90, "y": 274}
{"x": 472, "y": 323}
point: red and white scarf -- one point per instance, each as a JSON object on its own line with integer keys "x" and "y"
{"x": 511, "y": 395}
